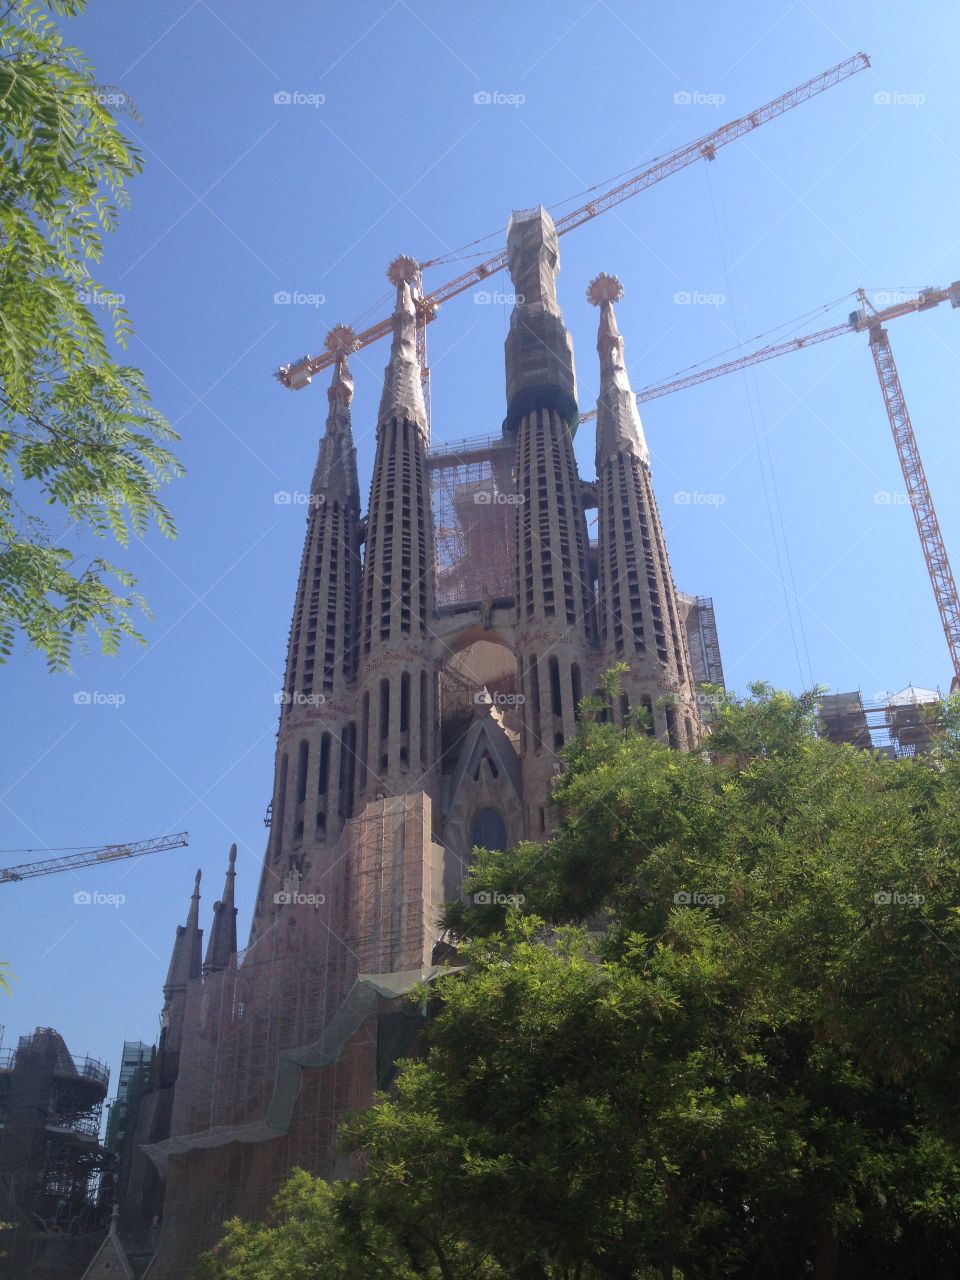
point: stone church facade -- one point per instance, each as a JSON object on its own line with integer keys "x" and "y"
{"x": 409, "y": 733}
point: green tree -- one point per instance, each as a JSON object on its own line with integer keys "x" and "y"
{"x": 319, "y": 1232}
{"x": 717, "y": 1038}
{"x": 77, "y": 429}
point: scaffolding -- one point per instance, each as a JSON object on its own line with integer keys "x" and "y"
{"x": 136, "y": 1074}
{"x": 51, "y": 1158}
{"x": 298, "y": 1030}
{"x": 474, "y": 516}
{"x": 895, "y": 725}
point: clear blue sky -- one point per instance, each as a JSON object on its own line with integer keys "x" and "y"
{"x": 243, "y": 197}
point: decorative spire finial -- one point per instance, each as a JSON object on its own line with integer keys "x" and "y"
{"x": 340, "y": 341}
{"x": 404, "y": 268}
{"x": 604, "y": 288}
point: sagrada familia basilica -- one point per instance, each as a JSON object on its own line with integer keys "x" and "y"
{"x": 427, "y": 698}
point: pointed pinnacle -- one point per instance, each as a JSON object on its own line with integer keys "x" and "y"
{"x": 402, "y": 392}
{"x": 618, "y": 421}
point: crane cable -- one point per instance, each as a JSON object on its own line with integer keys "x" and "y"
{"x": 762, "y": 442}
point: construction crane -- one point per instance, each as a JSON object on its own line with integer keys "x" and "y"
{"x": 299, "y": 372}
{"x": 867, "y": 319}
{"x": 93, "y": 857}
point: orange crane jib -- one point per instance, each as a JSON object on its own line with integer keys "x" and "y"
{"x": 92, "y": 857}
{"x": 299, "y": 372}
{"x": 868, "y": 319}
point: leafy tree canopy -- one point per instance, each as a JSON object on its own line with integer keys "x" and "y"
{"x": 77, "y": 429}
{"x": 717, "y": 1038}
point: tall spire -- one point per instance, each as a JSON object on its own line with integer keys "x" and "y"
{"x": 397, "y": 676}
{"x": 313, "y": 786}
{"x": 186, "y": 955}
{"x": 637, "y": 602}
{"x": 618, "y": 420}
{"x": 402, "y": 396}
{"x": 223, "y": 932}
{"x": 554, "y": 588}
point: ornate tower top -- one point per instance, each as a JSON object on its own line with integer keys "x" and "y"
{"x": 341, "y": 341}
{"x": 539, "y": 353}
{"x": 618, "y": 420}
{"x": 533, "y": 257}
{"x": 402, "y": 390}
{"x": 336, "y": 470}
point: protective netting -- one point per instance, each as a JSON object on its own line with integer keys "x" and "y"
{"x": 474, "y": 516}
{"x": 283, "y": 1043}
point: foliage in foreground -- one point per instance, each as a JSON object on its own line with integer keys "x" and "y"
{"x": 77, "y": 430}
{"x": 719, "y": 1038}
